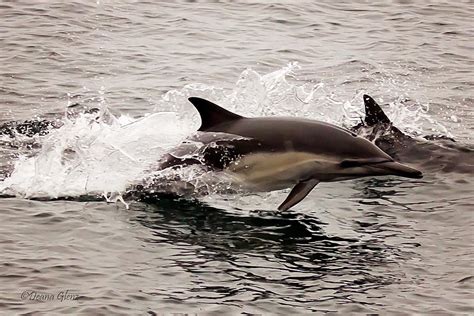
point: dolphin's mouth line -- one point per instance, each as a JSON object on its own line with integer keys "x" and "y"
{"x": 399, "y": 169}
{"x": 351, "y": 163}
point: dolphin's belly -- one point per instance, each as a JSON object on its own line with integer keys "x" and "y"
{"x": 279, "y": 170}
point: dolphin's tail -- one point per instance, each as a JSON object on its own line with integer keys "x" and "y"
{"x": 395, "y": 168}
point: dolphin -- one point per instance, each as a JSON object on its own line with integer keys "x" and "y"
{"x": 432, "y": 152}
{"x": 42, "y": 127}
{"x": 273, "y": 153}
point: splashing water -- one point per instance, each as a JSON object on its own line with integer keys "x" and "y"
{"x": 105, "y": 154}
{"x": 87, "y": 156}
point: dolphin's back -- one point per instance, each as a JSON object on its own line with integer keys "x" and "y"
{"x": 283, "y": 134}
{"x": 293, "y": 134}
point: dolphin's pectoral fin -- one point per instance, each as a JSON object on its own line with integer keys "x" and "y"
{"x": 350, "y": 163}
{"x": 298, "y": 193}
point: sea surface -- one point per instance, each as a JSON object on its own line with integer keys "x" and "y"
{"x": 71, "y": 243}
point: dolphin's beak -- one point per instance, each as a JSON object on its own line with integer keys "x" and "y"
{"x": 395, "y": 168}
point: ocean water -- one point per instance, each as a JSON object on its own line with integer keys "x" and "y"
{"x": 70, "y": 242}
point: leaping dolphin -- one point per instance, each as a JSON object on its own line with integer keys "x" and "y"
{"x": 272, "y": 153}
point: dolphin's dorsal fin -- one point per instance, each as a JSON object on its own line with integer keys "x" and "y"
{"x": 298, "y": 193}
{"x": 373, "y": 112}
{"x": 211, "y": 114}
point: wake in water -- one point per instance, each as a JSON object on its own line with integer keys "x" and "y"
{"x": 92, "y": 152}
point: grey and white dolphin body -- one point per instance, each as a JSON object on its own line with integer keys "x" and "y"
{"x": 434, "y": 153}
{"x": 272, "y": 153}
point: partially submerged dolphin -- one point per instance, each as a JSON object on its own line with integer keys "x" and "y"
{"x": 272, "y": 153}
{"x": 433, "y": 152}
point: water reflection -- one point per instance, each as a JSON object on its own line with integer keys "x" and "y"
{"x": 272, "y": 253}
